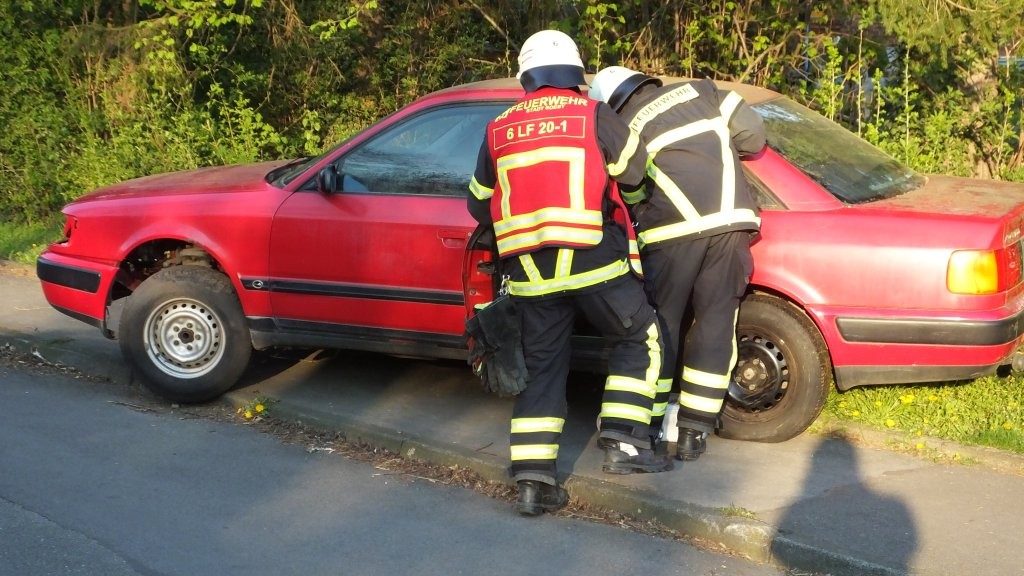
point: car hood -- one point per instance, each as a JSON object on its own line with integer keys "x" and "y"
{"x": 215, "y": 179}
{"x": 961, "y": 196}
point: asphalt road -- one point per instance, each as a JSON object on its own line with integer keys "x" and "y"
{"x": 94, "y": 480}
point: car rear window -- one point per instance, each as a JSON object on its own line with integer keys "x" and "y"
{"x": 850, "y": 168}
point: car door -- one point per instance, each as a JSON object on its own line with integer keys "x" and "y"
{"x": 382, "y": 257}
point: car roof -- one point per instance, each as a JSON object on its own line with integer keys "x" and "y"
{"x": 499, "y": 88}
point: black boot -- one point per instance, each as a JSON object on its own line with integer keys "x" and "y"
{"x": 691, "y": 444}
{"x": 537, "y": 497}
{"x": 623, "y": 458}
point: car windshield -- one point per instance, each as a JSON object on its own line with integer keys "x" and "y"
{"x": 851, "y": 169}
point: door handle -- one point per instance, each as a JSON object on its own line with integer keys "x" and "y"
{"x": 453, "y": 238}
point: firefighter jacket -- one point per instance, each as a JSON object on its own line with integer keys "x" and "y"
{"x": 695, "y": 135}
{"x": 543, "y": 181}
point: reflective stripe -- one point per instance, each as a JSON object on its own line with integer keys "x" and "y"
{"x": 527, "y": 425}
{"x": 530, "y": 267}
{"x": 480, "y": 191}
{"x": 635, "y": 197}
{"x": 513, "y": 243}
{"x": 673, "y": 193}
{"x": 654, "y": 353}
{"x": 582, "y": 280}
{"x": 563, "y": 262}
{"x": 704, "y": 223}
{"x": 706, "y": 379}
{"x": 659, "y": 409}
{"x": 625, "y": 412}
{"x": 619, "y": 166}
{"x": 664, "y": 385}
{"x": 567, "y": 216}
{"x": 534, "y": 452}
{"x": 684, "y": 93}
{"x": 626, "y": 384}
{"x": 699, "y": 403}
{"x": 729, "y": 104}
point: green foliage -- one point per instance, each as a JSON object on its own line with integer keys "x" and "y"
{"x": 98, "y": 91}
{"x": 23, "y": 242}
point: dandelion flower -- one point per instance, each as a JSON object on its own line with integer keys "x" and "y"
{"x": 842, "y": 404}
{"x": 260, "y": 408}
{"x": 855, "y": 413}
{"x": 248, "y": 414}
{"x": 1008, "y": 426}
{"x": 878, "y": 402}
{"x": 919, "y": 446}
{"x": 890, "y": 422}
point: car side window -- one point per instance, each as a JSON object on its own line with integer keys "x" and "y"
{"x": 433, "y": 153}
{"x": 763, "y": 197}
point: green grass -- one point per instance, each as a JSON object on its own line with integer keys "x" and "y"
{"x": 23, "y": 242}
{"x": 984, "y": 412}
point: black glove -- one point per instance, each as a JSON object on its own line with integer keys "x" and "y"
{"x": 496, "y": 348}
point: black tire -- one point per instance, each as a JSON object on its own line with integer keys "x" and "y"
{"x": 783, "y": 373}
{"x": 184, "y": 332}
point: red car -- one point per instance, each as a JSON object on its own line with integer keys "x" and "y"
{"x": 865, "y": 271}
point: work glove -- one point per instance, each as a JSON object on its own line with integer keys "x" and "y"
{"x": 496, "y": 348}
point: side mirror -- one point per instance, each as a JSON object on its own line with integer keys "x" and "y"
{"x": 327, "y": 180}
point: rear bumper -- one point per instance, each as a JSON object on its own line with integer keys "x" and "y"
{"x": 76, "y": 287}
{"x": 867, "y": 351}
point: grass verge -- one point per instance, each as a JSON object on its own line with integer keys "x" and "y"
{"x": 22, "y": 243}
{"x": 982, "y": 412}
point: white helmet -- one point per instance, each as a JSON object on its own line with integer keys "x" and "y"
{"x": 615, "y": 84}
{"x": 550, "y": 58}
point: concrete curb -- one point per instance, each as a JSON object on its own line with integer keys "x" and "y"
{"x": 750, "y": 538}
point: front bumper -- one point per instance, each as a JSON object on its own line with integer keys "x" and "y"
{"x": 76, "y": 287}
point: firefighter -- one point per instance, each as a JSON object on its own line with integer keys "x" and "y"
{"x": 695, "y": 224}
{"x": 545, "y": 181}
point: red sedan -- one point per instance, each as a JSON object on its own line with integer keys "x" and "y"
{"x": 865, "y": 271}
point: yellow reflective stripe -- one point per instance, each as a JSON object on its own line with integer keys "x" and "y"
{"x": 480, "y": 191}
{"x": 674, "y": 194}
{"x": 553, "y": 234}
{"x": 700, "y": 403}
{"x": 659, "y": 409}
{"x": 627, "y": 384}
{"x": 582, "y": 280}
{"x": 680, "y": 229}
{"x": 654, "y": 353}
{"x": 563, "y": 262}
{"x": 619, "y": 166}
{"x": 690, "y": 130}
{"x": 664, "y": 385}
{"x": 682, "y": 94}
{"x": 534, "y": 452}
{"x": 729, "y": 104}
{"x": 553, "y": 214}
{"x": 530, "y": 267}
{"x": 625, "y": 412}
{"x": 527, "y": 425}
{"x": 635, "y": 197}
{"x": 706, "y": 379}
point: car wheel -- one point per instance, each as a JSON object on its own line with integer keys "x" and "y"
{"x": 184, "y": 332}
{"x": 782, "y": 375}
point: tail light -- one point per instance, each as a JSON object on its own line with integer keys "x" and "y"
{"x": 984, "y": 271}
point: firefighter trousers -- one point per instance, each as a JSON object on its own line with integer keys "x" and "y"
{"x": 711, "y": 275}
{"x": 619, "y": 310}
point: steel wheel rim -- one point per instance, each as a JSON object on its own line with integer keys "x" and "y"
{"x": 761, "y": 377}
{"x": 184, "y": 338}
